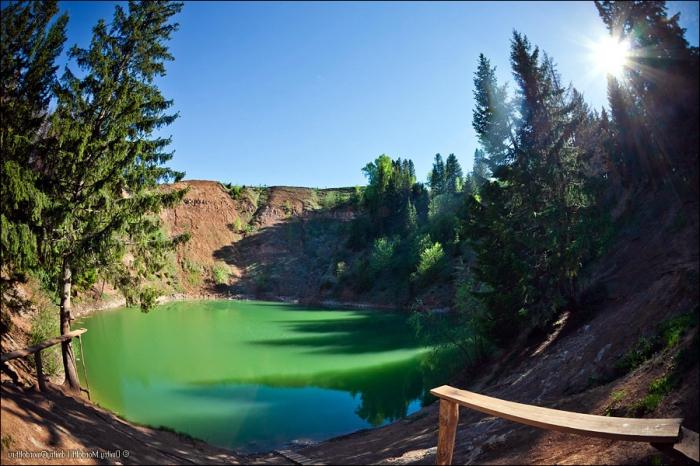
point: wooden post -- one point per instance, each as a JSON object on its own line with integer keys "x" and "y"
{"x": 449, "y": 417}
{"x": 39, "y": 371}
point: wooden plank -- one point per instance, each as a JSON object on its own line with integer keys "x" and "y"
{"x": 689, "y": 446}
{"x": 296, "y": 458}
{"x": 616, "y": 428}
{"x": 686, "y": 449}
{"x": 40, "y": 346}
{"x": 449, "y": 417}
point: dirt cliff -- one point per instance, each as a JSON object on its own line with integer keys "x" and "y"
{"x": 263, "y": 242}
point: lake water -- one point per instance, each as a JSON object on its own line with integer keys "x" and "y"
{"x": 256, "y": 376}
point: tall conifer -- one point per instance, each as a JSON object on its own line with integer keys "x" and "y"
{"x": 102, "y": 174}
{"x": 28, "y": 49}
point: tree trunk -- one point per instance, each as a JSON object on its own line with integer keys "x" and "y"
{"x": 71, "y": 380}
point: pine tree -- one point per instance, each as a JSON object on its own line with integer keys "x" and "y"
{"x": 480, "y": 171}
{"x": 436, "y": 178}
{"x": 527, "y": 228}
{"x": 421, "y": 201}
{"x": 28, "y": 48}
{"x": 102, "y": 174}
{"x": 453, "y": 174}
{"x": 491, "y": 115}
{"x": 410, "y": 218}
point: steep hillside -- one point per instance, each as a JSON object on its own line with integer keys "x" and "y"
{"x": 275, "y": 243}
{"x": 279, "y": 242}
{"x": 629, "y": 349}
{"x": 207, "y": 214}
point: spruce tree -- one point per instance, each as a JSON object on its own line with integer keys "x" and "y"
{"x": 410, "y": 218}
{"x": 28, "y": 49}
{"x": 436, "y": 178}
{"x": 491, "y": 117}
{"x": 102, "y": 174}
{"x": 453, "y": 174}
{"x": 527, "y": 228}
{"x": 480, "y": 171}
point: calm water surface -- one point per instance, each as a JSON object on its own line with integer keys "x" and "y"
{"x": 255, "y": 376}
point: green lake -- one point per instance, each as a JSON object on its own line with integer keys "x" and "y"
{"x": 255, "y": 376}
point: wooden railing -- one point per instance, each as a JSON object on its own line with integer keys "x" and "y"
{"x": 36, "y": 351}
{"x": 665, "y": 434}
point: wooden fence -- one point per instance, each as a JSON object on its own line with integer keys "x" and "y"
{"x": 36, "y": 351}
{"x": 666, "y": 435}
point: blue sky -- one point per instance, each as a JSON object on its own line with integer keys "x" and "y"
{"x": 306, "y": 94}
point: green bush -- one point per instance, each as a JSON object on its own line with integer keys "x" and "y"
{"x": 638, "y": 354}
{"x": 288, "y": 208}
{"x": 238, "y": 225}
{"x": 674, "y": 328}
{"x": 382, "y": 252}
{"x": 45, "y": 326}
{"x": 668, "y": 334}
{"x": 148, "y": 296}
{"x": 193, "y": 272}
{"x": 234, "y": 190}
{"x": 332, "y": 199}
{"x": 431, "y": 261}
{"x": 221, "y": 274}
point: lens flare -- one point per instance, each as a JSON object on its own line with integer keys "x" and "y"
{"x": 611, "y": 55}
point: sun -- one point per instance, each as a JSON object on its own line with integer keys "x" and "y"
{"x": 611, "y": 55}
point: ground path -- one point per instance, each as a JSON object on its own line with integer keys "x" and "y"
{"x": 54, "y": 422}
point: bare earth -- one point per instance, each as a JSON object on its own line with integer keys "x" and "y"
{"x": 58, "y": 423}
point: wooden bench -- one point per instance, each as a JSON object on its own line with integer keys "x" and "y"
{"x": 36, "y": 351}
{"x": 665, "y": 434}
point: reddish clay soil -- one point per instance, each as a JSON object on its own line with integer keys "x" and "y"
{"x": 58, "y": 423}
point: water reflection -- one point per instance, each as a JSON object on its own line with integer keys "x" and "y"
{"x": 258, "y": 375}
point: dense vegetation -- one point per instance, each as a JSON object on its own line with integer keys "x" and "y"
{"x": 512, "y": 237}
{"x": 506, "y": 242}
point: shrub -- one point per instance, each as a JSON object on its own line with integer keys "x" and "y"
{"x": 45, "y": 326}
{"x": 357, "y": 196}
{"x": 638, "y": 354}
{"x": 238, "y": 225}
{"x": 148, "y": 296}
{"x": 674, "y": 328}
{"x": 430, "y": 263}
{"x": 288, "y": 208}
{"x": 221, "y": 274}
{"x": 382, "y": 252}
{"x": 668, "y": 334}
{"x": 234, "y": 190}
{"x": 193, "y": 272}
{"x": 329, "y": 200}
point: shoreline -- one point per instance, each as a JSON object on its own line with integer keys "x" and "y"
{"x": 84, "y": 309}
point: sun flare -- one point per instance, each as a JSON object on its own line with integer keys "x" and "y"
{"x": 611, "y": 55}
